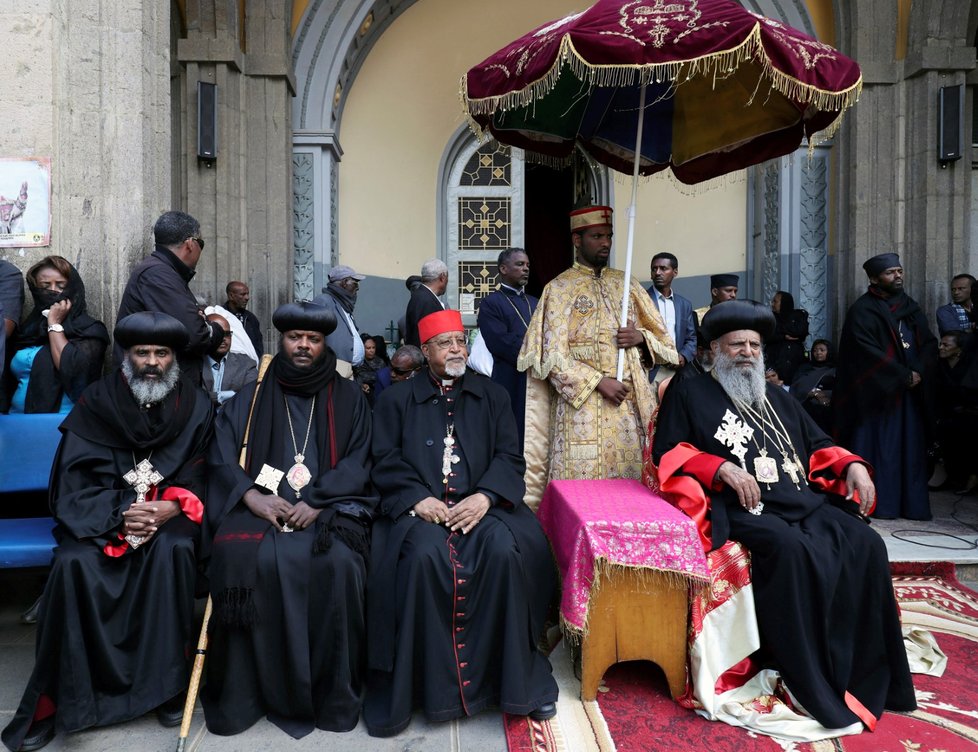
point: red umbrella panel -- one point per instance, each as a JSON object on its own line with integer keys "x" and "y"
{"x": 725, "y": 87}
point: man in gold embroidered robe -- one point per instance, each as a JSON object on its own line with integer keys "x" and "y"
{"x": 581, "y": 422}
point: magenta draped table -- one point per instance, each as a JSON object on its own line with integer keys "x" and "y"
{"x": 594, "y": 524}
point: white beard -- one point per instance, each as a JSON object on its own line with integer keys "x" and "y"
{"x": 741, "y": 385}
{"x": 150, "y": 392}
{"x": 455, "y": 369}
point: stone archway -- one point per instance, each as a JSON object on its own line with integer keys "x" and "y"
{"x": 787, "y": 210}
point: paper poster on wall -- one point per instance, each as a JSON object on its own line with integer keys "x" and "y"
{"x": 25, "y": 202}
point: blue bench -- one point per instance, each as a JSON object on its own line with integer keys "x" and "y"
{"x": 27, "y": 447}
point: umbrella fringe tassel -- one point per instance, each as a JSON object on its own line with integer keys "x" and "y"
{"x": 717, "y": 64}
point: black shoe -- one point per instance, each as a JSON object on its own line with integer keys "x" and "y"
{"x": 545, "y": 712}
{"x": 30, "y": 615}
{"x": 170, "y": 713}
{"x": 38, "y": 735}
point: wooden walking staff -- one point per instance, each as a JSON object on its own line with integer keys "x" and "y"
{"x": 201, "y": 652}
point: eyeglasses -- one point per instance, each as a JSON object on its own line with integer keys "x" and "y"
{"x": 444, "y": 343}
{"x": 228, "y": 335}
{"x": 198, "y": 240}
{"x": 350, "y": 281}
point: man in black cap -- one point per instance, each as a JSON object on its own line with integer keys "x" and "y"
{"x": 161, "y": 282}
{"x": 745, "y": 461}
{"x": 882, "y": 400}
{"x": 340, "y": 297}
{"x": 114, "y": 629}
{"x": 286, "y": 534}
{"x": 723, "y": 287}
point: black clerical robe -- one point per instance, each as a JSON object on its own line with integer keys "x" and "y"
{"x": 823, "y": 596}
{"x": 877, "y": 413}
{"x": 115, "y": 627}
{"x": 298, "y": 656}
{"x": 453, "y": 619}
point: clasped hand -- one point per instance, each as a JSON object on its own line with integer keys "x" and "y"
{"x": 144, "y": 518}
{"x": 462, "y": 516}
{"x": 280, "y": 512}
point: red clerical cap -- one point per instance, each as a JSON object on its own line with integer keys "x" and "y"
{"x": 439, "y": 322}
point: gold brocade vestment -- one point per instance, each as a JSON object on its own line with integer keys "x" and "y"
{"x": 571, "y": 430}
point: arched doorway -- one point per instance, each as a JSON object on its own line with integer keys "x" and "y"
{"x": 493, "y": 199}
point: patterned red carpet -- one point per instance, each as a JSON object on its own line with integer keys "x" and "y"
{"x": 639, "y": 716}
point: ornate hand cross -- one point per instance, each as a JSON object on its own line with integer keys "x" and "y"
{"x": 734, "y": 434}
{"x": 141, "y": 478}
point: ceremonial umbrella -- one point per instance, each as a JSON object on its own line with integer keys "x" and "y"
{"x": 701, "y": 87}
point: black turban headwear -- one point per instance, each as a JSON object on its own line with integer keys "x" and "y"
{"x": 304, "y": 316}
{"x": 724, "y": 280}
{"x": 879, "y": 264}
{"x": 734, "y": 315}
{"x": 151, "y": 328}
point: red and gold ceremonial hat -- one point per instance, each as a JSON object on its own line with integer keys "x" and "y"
{"x": 590, "y": 216}
{"x": 439, "y": 322}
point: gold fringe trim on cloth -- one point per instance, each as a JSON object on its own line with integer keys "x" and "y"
{"x": 648, "y": 577}
{"x": 717, "y": 64}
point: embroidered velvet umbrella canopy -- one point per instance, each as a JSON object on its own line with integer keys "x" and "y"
{"x": 702, "y": 87}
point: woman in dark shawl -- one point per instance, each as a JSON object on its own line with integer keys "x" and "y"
{"x": 374, "y": 359}
{"x": 814, "y": 381}
{"x": 59, "y": 349}
{"x": 785, "y": 351}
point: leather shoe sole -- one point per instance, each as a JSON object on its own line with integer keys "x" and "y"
{"x": 545, "y": 712}
{"x": 38, "y": 735}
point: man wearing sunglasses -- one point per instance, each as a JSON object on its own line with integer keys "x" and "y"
{"x": 405, "y": 363}
{"x": 161, "y": 283}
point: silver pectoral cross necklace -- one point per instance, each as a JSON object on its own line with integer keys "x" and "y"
{"x": 142, "y": 477}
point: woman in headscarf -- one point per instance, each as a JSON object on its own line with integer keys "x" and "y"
{"x": 59, "y": 349}
{"x": 374, "y": 358}
{"x": 786, "y": 349}
{"x": 814, "y": 382}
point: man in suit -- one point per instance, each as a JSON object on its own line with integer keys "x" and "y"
{"x": 224, "y": 372}
{"x": 677, "y": 312}
{"x": 425, "y": 298}
{"x": 504, "y": 316}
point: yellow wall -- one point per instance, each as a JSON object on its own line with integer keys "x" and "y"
{"x": 403, "y": 109}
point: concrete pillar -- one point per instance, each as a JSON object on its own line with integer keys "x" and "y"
{"x": 243, "y": 199}
{"x": 88, "y": 87}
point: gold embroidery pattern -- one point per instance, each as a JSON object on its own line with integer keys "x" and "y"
{"x": 584, "y": 305}
{"x": 809, "y": 51}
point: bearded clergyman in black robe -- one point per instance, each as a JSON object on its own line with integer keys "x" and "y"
{"x": 115, "y": 625}
{"x": 286, "y": 534}
{"x": 461, "y": 573}
{"x": 883, "y": 398}
{"x": 747, "y": 463}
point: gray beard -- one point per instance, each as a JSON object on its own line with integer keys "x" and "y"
{"x": 453, "y": 370}
{"x": 740, "y": 385}
{"x": 149, "y": 392}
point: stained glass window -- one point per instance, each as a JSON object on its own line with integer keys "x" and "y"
{"x": 486, "y": 167}
{"x": 484, "y": 222}
{"x": 476, "y": 279}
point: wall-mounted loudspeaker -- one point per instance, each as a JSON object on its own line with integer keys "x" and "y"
{"x": 950, "y": 123}
{"x": 206, "y": 120}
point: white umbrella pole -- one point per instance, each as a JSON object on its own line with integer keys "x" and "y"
{"x": 631, "y": 228}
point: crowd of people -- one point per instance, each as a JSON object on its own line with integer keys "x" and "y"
{"x": 363, "y": 522}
